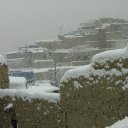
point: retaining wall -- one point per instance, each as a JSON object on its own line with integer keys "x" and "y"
{"x": 37, "y": 113}
{"x": 97, "y": 100}
{"x": 4, "y": 79}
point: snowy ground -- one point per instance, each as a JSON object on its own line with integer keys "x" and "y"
{"x": 120, "y": 124}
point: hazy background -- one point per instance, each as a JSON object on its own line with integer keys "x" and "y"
{"x": 24, "y": 21}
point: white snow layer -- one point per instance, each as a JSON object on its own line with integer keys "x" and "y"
{"x": 88, "y": 70}
{"x": 39, "y": 91}
{"x": 17, "y": 82}
{"x": 110, "y": 55}
{"x": 9, "y": 106}
{"x": 74, "y": 73}
{"x": 2, "y": 60}
{"x": 120, "y": 124}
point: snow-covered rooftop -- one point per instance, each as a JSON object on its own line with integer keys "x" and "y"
{"x": 34, "y": 50}
{"x": 36, "y": 61}
{"x": 61, "y": 51}
{"x": 43, "y": 41}
{"x": 14, "y": 52}
{"x": 105, "y": 25}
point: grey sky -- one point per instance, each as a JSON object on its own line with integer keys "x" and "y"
{"x": 24, "y": 21}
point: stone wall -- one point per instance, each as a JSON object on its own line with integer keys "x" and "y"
{"x": 44, "y": 75}
{"x": 114, "y": 36}
{"x": 13, "y": 55}
{"x": 32, "y": 114}
{"x": 92, "y": 40}
{"x": 52, "y": 44}
{"x": 79, "y": 63}
{"x": 97, "y": 100}
{"x": 17, "y": 63}
{"x": 117, "y": 43}
{"x": 4, "y": 79}
{"x": 58, "y": 56}
{"x": 38, "y": 56}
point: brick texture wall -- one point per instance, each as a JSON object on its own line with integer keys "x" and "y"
{"x": 34, "y": 114}
{"x": 100, "y": 101}
{"x": 4, "y": 79}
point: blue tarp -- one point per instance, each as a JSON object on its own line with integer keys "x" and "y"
{"x": 28, "y": 75}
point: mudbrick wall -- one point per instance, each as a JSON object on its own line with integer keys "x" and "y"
{"x": 87, "y": 108}
{"x": 97, "y": 99}
{"x": 4, "y": 79}
{"x": 32, "y": 114}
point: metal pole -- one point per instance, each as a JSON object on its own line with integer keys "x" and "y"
{"x": 55, "y": 74}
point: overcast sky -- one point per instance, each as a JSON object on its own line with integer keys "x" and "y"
{"x": 24, "y": 21}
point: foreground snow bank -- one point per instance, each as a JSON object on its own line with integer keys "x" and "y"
{"x": 39, "y": 91}
{"x": 120, "y": 124}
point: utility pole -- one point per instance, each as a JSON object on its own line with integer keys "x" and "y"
{"x": 26, "y": 48}
{"x": 61, "y": 30}
{"x": 55, "y": 74}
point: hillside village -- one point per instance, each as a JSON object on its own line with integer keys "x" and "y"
{"x": 49, "y": 59}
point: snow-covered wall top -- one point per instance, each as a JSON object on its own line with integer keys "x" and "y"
{"x": 2, "y": 60}
{"x": 89, "y": 71}
{"x": 39, "y": 91}
{"x": 110, "y": 55}
{"x": 36, "y": 61}
{"x": 29, "y": 94}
